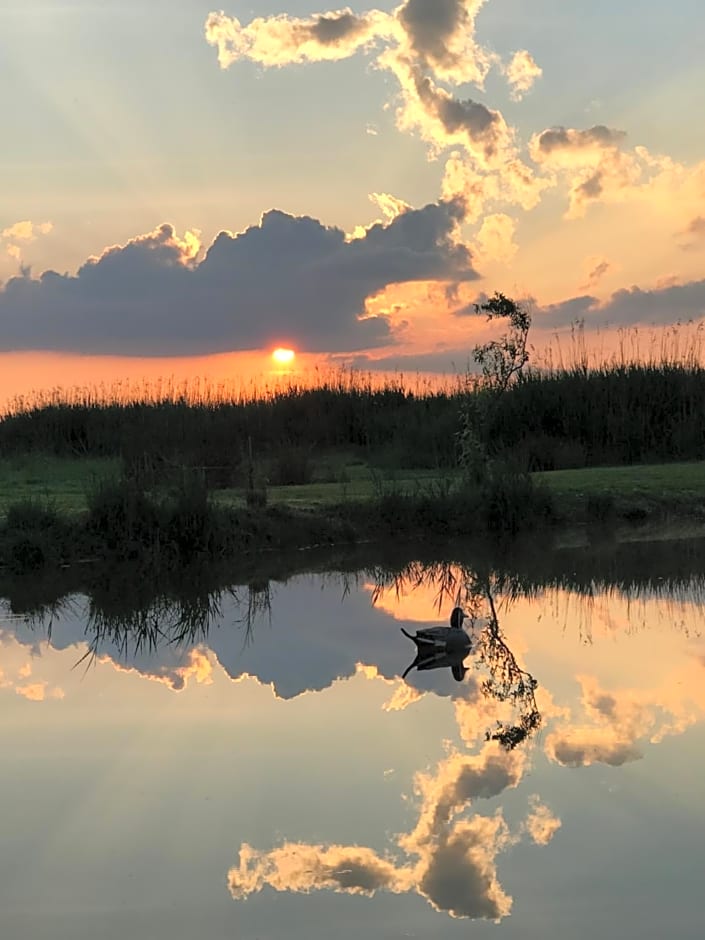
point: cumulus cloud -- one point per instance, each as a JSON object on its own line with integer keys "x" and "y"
{"x": 459, "y": 780}
{"x": 495, "y": 239}
{"x": 421, "y": 42}
{"x": 608, "y": 736}
{"x": 460, "y": 875}
{"x": 592, "y": 160}
{"x": 284, "y": 40}
{"x": 431, "y": 48}
{"x": 27, "y": 231}
{"x": 33, "y": 691}
{"x": 614, "y": 725}
{"x": 582, "y": 747}
{"x": 403, "y": 696}
{"x": 598, "y": 168}
{"x": 439, "y": 36}
{"x": 513, "y": 184}
{"x": 457, "y": 874}
{"x": 15, "y": 675}
{"x": 23, "y": 232}
{"x": 541, "y": 824}
{"x": 288, "y": 276}
{"x": 449, "y": 860}
{"x": 450, "y": 863}
{"x": 447, "y": 121}
{"x": 522, "y": 72}
{"x": 301, "y": 867}
{"x": 39, "y": 691}
{"x": 569, "y": 145}
{"x": 197, "y": 668}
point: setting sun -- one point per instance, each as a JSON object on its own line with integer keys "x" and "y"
{"x": 283, "y": 356}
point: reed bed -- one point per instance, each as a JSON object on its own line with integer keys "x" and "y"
{"x": 588, "y": 399}
{"x": 197, "y": 425}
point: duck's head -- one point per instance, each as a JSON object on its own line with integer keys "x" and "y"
{"x": 457, "y": 617}
{"x": 459, "y": 672}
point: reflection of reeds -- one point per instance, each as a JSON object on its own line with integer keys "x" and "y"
{"x": 179, "y": 621}
{"x": 134, "y": 611}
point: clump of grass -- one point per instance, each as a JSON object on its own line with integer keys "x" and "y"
{"x": 511, "y": 501}
{"x": 256, "y": 497}
{"x": 122, "y": 518}
{"x": 601, "y": 508}
{"x": 191, "y": 521}
{"x": 25, "y": 553}
{"x": 34, "y": 534}
{"x": 32, "y": 515}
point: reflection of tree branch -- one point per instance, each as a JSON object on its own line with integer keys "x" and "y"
{"x": 507, "y": 682}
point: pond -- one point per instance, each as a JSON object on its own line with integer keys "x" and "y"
{"x": 253, "y": 763}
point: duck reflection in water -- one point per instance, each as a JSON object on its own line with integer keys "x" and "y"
{"x": 442, "y": 647}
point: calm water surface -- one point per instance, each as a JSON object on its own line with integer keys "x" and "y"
{"x": 265, "y": 772}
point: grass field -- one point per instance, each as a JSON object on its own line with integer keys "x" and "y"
{"x": 65, "y": 482}
{"x": 680, "y": 482}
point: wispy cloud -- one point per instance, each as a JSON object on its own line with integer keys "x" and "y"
{"x": 693, "y": 235}
{"x": 596, "y": 267}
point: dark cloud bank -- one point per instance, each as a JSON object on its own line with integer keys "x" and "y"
{"x": 626, "y": 307}
{"x": 288, "y": 277}
{"x": 629, "y": 306}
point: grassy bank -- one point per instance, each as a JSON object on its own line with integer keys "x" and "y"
{"x": 65, "y": 484}
{"x": 50, "y": 520}
{"x": 170, "y": 480}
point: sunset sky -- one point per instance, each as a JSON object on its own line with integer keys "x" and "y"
{"x": 186, "y": 189}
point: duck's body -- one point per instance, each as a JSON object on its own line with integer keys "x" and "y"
{"x": 442, "y": 646}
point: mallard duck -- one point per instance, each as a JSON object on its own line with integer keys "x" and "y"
{"x": 437, "y": 647}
